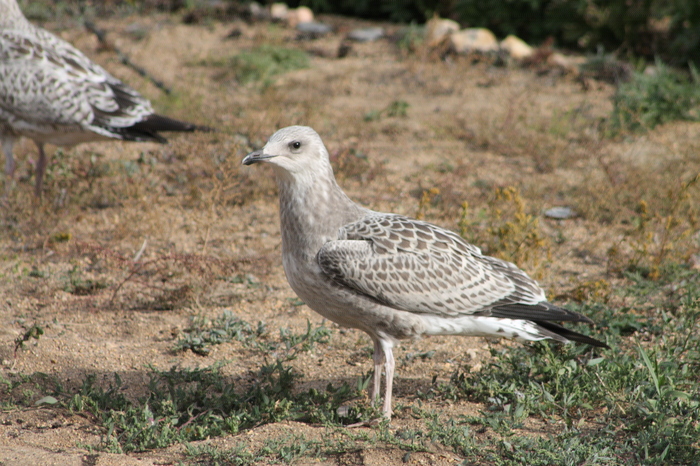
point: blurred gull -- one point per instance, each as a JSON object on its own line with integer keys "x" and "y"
{"x": 51, "y": 93}
{"x": 391, "y": 276}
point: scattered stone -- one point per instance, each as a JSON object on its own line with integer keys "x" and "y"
{"x": 694, "y": 261}
{"x": 516, "y": 47}
{"x": 560, "y": 213}
{"x": 474, "y": 40}
{"x": 568, "y": 63}
{"x": 279, "y": 11}
{"x": 344, "y": 49}
{"x": 234, "y": 34}
{"x": 313, "y": 30}
{"x": 606, "y": 68}
{"x": 366, "y": 34}
{"x": 300, "y": 15}
{"x": 437, "y": 29}
{"x": 257, "y": 12}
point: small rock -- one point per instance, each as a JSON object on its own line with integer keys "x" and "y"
{"x": 300, "y": 15}
{"x": 694, "y": 262}
{"x": 560, "y": 213}
{"x": 438, "y": 28}
{"x": 366, "y": 34}
{"x": 516, "y": 47}
{"x": 474, "y": 40}
{"x": 279, "y": 11}
{"x": 313, "y": 29}
{"x": 257, "y": 12}
{"x": 569, "y": 63}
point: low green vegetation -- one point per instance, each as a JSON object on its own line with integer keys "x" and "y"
{"x": 648, "y": 100}
{"x": 637, "y": 403}
{"x": 263, "y": 64}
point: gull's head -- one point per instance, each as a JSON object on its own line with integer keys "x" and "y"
{"x": 297, "y": 150}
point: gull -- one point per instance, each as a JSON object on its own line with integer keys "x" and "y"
{"x": 391, "y": 276}
{"x": 52, "y": 93}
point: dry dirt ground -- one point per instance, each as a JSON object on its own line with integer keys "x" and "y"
{"x": 199, "y": 219}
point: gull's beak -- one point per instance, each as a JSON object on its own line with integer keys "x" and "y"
{"x": 256, "y": 156}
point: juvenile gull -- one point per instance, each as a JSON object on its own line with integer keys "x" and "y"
{"x": 50, "y": 92}
{"x": 391, "y": 276}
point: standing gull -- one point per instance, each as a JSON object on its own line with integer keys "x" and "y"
{"x": 391, "y": 276}
{"x": 51, "y": 93}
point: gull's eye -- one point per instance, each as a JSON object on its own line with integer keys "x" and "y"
{"x": 295, "y": 145}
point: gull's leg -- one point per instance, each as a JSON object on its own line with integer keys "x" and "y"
{"x": 40, "y": 170}
{"x": 378, "y": 358}
{"x": 10, "y": 165}
{"x": 389, "y": 369}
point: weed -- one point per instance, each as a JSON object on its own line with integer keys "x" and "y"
{"x": 649, "y": 390}
{"x": 264, "y": 63}
{"x": 659, "y": 237}
{"x": 80, "y": 286}
{"x": 397, "y": 108}
{"x": 193, "y": 404}
{"x": 505, "y": 230}
{"x": 203, "y": 333}
{"x": 35, "y": 332}
{"x": 649, "y": 100}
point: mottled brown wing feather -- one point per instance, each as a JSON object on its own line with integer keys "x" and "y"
{"x": 45, "y": 80}
{"x": 419, "y": 267}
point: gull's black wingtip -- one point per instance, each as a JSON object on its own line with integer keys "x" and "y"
{"x": 571, "y": 335}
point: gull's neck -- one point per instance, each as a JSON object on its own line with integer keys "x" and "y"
{"x": 312, "y": 209}
{"x": 11, "y": 16}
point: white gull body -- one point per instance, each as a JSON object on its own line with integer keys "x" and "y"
{"x": 52, "y": 93}
{"x": 391, "y": 276}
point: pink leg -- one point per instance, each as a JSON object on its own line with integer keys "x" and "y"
{"x": 389, "y": 369}
{"x": 10, "y": 164}
{"x": 378, "y": 358}
{"x": 40, "y": 170}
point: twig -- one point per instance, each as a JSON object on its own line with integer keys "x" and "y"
{"x": 124, "y": 58}
{"x": 140, "y": 253}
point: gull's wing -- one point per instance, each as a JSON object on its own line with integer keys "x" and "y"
{"x": 46, "y": 81}
{"x": 419, "y": 267}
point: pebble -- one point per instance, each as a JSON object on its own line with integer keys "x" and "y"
{"x": 474, "y": 40}
{"x": 366, "y": 34}
{"x": 560, "y": 213}
{"x": 314, "y": 29}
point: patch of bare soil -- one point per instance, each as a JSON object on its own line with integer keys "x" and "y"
{"x": 200, "y": 220}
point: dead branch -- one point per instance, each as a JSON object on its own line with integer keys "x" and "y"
{"x": 124, "y": 58}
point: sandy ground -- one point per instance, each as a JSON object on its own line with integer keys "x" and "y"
{"x": 470, "y": 127}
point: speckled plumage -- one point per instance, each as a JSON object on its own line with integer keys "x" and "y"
{"x": 391, "y": 276}
{"x": 52, "y": 93}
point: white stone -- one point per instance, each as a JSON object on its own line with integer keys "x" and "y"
{"x": 437, "y": 29}
{"x": 279, "y": 11}
{"x": 569, "y": 63}
{"x": 474, "y": 40}
{"x": 516, "y": 47}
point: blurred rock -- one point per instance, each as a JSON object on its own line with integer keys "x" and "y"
{"x": 300, "y": 15}
{"x": 516, "y": 47}
{"x": 560, "y": 213}
{"x": 366, "y": 34}
{"x": 694, "y": 261}
{"x": 474, "y": 40}
{"x": 279, "y": 11}
{"x": 344, "y": 49}
{"x": 313, "y": 30}
{"x": 568, "y": 63}
{"x": 257, "y": 12}
{"x": 437, "y": 29}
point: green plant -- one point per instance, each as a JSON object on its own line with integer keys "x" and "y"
{"x": 264, "y": 63}
{"x": 652, "y": 99}
{"x": 505, "y": 229}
